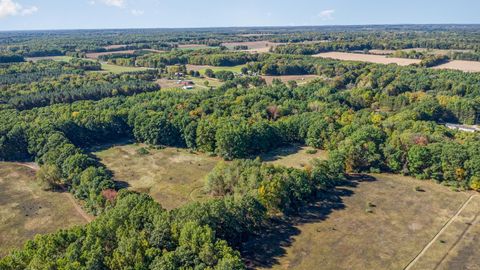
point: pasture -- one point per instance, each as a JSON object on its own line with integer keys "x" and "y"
{"x": 27, "y": 210}
{"x": 378, "y": 59}
{"x": 378, "y": 222}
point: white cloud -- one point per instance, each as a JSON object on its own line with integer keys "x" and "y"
{"x": 29, "y": 10}
{"x": 137, "y": 12}
{"x": 11, "y": 8}
{"x": 115, "y": 3}
{"x": 326, "y": 14}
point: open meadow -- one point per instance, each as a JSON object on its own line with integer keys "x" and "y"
{"x": 380, "y": 221}
{"x": 27, "y": 210}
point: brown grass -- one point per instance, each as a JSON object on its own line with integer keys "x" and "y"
{"x": 26, "y": 210}
{"x": 380, "y": 223}
{"x": 379, "y": 59}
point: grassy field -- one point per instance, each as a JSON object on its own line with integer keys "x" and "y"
{"x": 171, "y": 176}
{"x": 119, "y": 69}
{"x": 381, "y": 222}
{"x": 201, "y": 69}
{"x": 293, "y": 156}
{"x": 27, "y": 210}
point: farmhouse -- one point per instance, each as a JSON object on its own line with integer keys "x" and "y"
{"x": 465, "y": 128}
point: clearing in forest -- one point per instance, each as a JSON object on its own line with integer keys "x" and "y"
{"x": 379, "y": 59}
{"x": 172, "y": 176}
{"x": 380, "y": 221}
{"x": 294, "y": 156}
{"x": 175, "y": 176}
{"x": 27, "y": 210}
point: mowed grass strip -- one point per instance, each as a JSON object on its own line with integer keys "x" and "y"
{"x": 26, "y": 210}
{"x": 376, "y": 224}
{"x": 172, "y": 176}
{"x": 458, "y": 246}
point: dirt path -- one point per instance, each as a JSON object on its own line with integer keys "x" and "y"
{"x": 450, "y": 221}
{"x": 78, "y": 208}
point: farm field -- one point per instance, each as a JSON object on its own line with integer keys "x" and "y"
{"x": 379, "y": 59}
{"x": 172, "y": 176}
{"x": 253, "y": 46}
{"x": 377, "y": 223}
{"x": 467, "y": 66}
{"x": 98, "y": 54}
{"x": 27, "y": 210}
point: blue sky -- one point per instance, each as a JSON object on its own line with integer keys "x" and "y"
{"x": 82, "y": 14}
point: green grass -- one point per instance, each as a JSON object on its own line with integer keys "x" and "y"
{"x": 119, "y": 69}
{"x": 173, "y": 177}
{"x": 235, "y": 69}
{"x": 294, "y": 156}
{"x": 26, "y": 210}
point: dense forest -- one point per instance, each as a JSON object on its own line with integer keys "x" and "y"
{"x": 369, "y": 117}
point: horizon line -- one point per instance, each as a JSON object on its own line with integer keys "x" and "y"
{"x": 238, "y": 27}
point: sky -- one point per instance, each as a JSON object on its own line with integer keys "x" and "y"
{"x": 96, "y": 14}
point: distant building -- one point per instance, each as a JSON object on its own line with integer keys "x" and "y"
{"x": 465, "y": 128}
